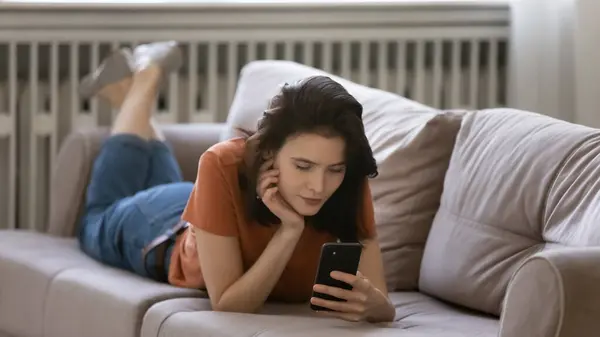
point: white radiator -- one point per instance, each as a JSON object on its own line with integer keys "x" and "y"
{"x": 444, "y": 56}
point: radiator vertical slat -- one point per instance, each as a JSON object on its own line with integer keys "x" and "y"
{"x": 455, "y": 77}
{"x": 288, "y": 50}
{"x": 382, "y": 66}
{"x": 419, "y": 74}
{"x": 232, "y": 70}
{"x": 172, "y": 108}
{"x": 12, "y": 81}
{"x": 11, "y": 178}
{"x": 493, "y": 74}
{"x": 115, "y": 45}
{"x": 34, "y": 180}
{"x": 270, "y": 50}
{"x": 438, "y": 87}
{"x": 29, "y": 208}
{"x": 401, "y": 68}
{"x": 327, "y": 56}
{"x": 6, "y": 132}
{"x": 346, "y": 56}
{"x": 173, "y": 101}
{"x": 251, "y": 51}
{"x": 192, "y": 81}
{"x": 12, "y": 107}
{"x": 74, "y": 80}
{"x": 212, "y": 88}
{"x": 474, "y": 72}
{"x": 54, "y": 101}
{"x": 364, "y": 63}
{"x": 308, "y": 53}
{"x": 94, "y": 62}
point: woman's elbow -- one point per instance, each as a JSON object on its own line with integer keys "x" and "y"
{"x": 223, "y": 306}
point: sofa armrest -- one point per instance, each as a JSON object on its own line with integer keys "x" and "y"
{"x": 71, "y": 172}
{"x": 555, "y": 293}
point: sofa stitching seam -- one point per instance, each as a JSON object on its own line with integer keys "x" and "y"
{"x": 160, "y": 326}
{"x": 474, "y": 223}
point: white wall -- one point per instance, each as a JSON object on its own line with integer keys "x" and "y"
{"x": 555, "y": 57}
{"x": 587, "y": 62}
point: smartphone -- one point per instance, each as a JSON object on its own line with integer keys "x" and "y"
{"x": 343, "y": 257}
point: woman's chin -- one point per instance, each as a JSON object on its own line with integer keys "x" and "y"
{"x": 307, "y": 210}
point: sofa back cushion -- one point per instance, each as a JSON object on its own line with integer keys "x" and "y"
{"x": 518, "y": 183}
{"x": 412, "y": 144}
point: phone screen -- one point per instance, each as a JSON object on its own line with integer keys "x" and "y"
{"x": 343, "y": 257}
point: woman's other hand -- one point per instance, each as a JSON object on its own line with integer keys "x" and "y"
{"x": 268, "y": 192}
{"x": 363, "y": 303}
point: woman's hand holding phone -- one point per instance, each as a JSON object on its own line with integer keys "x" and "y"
{"x": 362, "y": 303}
{"x": 268, "y": 192}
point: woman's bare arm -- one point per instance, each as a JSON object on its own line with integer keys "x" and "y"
{"x": 371, "y": 265}
{"x": 229, "y": 288}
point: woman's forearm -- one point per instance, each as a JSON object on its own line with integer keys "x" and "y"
{"x": 249, "y": 292}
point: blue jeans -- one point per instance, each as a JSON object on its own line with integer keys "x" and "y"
{"x": 136, "y": 193}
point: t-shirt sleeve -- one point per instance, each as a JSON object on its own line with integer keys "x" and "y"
{"x": 210, "y": 206}
{"x": 368, "y": 214}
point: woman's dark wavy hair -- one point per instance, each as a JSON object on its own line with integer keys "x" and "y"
{"x": 320, "y": 105}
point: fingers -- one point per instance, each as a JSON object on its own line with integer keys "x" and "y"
{"x": 348, "y": 295}
{"x": 266, "y": 182}
{"x": 265, "y": 166}
{"x": 269, "y": 195}
{"x": 270, "y": 173}
{"x": 358, "y": 282}
{"x": 266, "y": 177}
{"x": 342, "y": 315}
{"x": 339, "y": 306}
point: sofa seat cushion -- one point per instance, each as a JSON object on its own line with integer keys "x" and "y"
{"x": 160, "y": 312}
{"x": 28, "y": 264}
{"x": 416, "y": 316}
{"x": 50, "y": 288}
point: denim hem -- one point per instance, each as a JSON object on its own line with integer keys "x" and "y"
{"x": 129, "y": 139}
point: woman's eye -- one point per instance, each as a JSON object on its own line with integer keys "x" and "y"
{"x": 337, "y": 170}
{"x": 302, "y": 168}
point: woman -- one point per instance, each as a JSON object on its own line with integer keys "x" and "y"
{"x": 251, "y": 227}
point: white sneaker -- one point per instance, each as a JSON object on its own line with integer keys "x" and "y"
{"x": 165, "y": 54}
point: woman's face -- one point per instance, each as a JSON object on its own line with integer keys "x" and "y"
{"x": 311, "y": 168}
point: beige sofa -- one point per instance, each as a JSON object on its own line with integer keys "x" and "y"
{"x": 488, "y": 222}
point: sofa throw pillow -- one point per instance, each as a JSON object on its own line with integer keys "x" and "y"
{"x": 411, "y": 142}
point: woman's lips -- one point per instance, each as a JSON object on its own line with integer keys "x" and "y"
{"x": 312, "y": 201}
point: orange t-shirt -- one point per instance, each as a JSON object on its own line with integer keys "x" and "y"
{"x": 216, "y": 206}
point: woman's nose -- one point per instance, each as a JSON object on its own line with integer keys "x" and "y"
{"x": 317, "y": 182}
